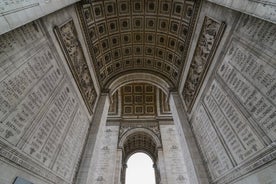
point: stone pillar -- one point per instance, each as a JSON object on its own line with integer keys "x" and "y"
{"x": 123, "y": 173}
{"x": 161, "y": 167}
{"x": 157, "y": 173}
{"x": 196, "y": 171}
{"x": 117, "y": 172}
{"x": 98, "y": 123}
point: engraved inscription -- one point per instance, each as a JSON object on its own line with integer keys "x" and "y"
{"x": 10, "y": 6}
{"x": 69, "y": 154}
{"x": 253, "y": 81}
{"x": 24, "y": 93}
{"x": 15, "y": 40}
{"x": 214, "y": 153}
{"x": 44, "y": 142}
{"x": 42, "y": 124}
{"x": 234, "y": 128}
{"x": 258, "y": 30}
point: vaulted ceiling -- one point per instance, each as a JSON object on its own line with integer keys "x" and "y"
{"x": 138, "y": 142}
{"x": 126, "y": 36}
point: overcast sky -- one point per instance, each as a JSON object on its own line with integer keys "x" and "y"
{"x": 140, "y": 170}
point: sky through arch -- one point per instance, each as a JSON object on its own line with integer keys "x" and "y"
{"x": 140, "y": 169}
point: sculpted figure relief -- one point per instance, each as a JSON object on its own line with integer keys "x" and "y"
{"x": 68, "y": 37}
{"x": 201, "y": 60}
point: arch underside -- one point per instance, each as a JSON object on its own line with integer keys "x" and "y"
{"x": 139, "y": 77}
{"x": 139, "y": 140}
{"x": 126, "y": 37}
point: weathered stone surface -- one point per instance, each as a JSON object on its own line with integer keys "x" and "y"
{"x": 209, "y": 38}
{"x": 14, "y": 14}
{"x": 44, "y": 120}
{"x": 238, "y": 103}
{"x": 43, "y": 125}
{"x": 67, "y": 35}
{"x": 104, "y": 161}
{"x": 253, "y": 80}
{"x": 216, "y": 157}
{"x": 235, "y": 129}
{"x": 176, "y": 170}
{"x": 263, "y": 9}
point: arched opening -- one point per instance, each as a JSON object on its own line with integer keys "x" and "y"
{"x": 140, "y": 169}
{"x": 137, "y": 105}
{"x": 140, "y": 140}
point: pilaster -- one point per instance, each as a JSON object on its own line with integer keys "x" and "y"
{"x": 196, "y": 171}
{"x": 97, "y": 125}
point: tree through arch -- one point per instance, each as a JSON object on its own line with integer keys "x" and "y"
{"x": 140, "y": 169}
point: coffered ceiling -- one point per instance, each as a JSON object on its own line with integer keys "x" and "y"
{"x": 127, "y": 36}
{"x": 139, "y": 100}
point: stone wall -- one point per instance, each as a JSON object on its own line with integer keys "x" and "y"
{"x": 234, "y": 115}
{"x": 106, "y": 159}
{"x": 14, "y": 14}
{"x": 264, "y": 9}
{"x": 104, "y": 156}
{"x": 43, "y": 117}
{"x": 175, "y": 166}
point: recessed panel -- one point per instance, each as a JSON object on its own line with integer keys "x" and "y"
{"x": 139, "y": 98}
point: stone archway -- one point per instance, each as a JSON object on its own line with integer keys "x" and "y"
{"x": 140, "y": 140}
{"x": 140, "y": 169}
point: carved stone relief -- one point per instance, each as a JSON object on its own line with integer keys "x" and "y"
{"x": 208, "y": 40}
{"x": 114, "y": 105}
{"x": 72, "y": 49}
{"x": 164, "y": 104}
